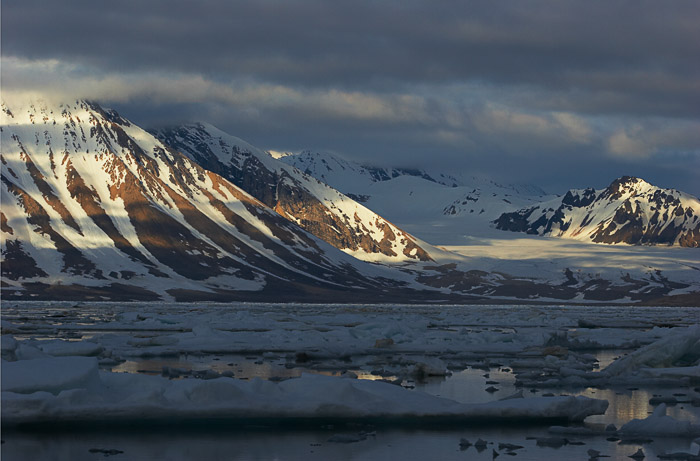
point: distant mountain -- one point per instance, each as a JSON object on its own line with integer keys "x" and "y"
{"x": 347, "y": 175}
{"x": 94, "y": 206}
{"x": 629, "y": 210}
{"x": 320, "y": 209}
{"x": 435, "y": 206}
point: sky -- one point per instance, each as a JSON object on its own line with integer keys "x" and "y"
{"x": 562, "y": 94}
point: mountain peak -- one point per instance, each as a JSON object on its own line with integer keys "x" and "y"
{"x": 316, "y": 207}
{"x": 629, "y": 210}
{"x": 92, "y": 204}
{"x": 624, "y": 186}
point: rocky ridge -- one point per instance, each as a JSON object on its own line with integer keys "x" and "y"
{"x": 95, "y": 208}
{"x": 313, "y": 205}
{"x": 90, "y": 199}
{"x": 629, "y": 211}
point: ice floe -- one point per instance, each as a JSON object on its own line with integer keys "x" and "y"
{"x": 659, "y": 424}
{"x": 65, "y": 368}
{"x": 72, "y": 389}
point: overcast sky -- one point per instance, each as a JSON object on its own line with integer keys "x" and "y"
{"x": 558, "y": 93}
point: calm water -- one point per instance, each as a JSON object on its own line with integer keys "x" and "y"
{"x": 259, "y": 443}
{"x": 203, "y": 442}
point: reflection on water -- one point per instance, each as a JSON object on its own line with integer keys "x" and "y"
{"x": 626, "y": 405}
{"x": 472, "y": 385}
{"x": 469, "y": 386}
{"x": 239, "y": 367}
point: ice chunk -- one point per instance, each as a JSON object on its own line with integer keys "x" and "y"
{"x": 119, "y": 397}
{"x": 49, "y": 374}
{"x": 430, "y": 367}
{"x": 662, "y": 353}
{"x": 517, "y": 395}
{"x": 680, "y": 455}
{"x": 509, "y": 446}
{"x": 60, "y": 348}
{"x": 672, "y": 372}
{"x": 8, "y": 345}
{"x": 28, "y": 352}
{"x": 347, "y": 438}
{"x": 464, "y": 443}
{"x": 659, "y": 424}
{"x": 481, "y": 443}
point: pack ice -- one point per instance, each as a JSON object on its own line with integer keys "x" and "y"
{"x": 73, "y": 389}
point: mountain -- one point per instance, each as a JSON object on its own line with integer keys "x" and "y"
{"x": 320, "y": 209}
{"x": 457, "y": 212}
{"x": 93, "y": 206}
{"x": 629, "y": 210}
{"x": 438, "y": 207}
{"x": 347, "y": 175}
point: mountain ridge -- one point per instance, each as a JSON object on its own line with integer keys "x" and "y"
{"x": 316, "y": 207}
{"x": 629, "y": 210}
{"x": 324, "y": 165}
{"x": 96, "y": 208}
{"x": 436, "y": 207}
{"x": 90, "y": 198}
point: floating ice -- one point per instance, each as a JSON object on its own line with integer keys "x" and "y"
{"x": 662, "y": 353}
{"x": 59, "y": 348}
{"x": 659, "y": 424}
{"x": 84, "y": 395}
{"x": 49, "y": 375}
{"x": 8, "y": 344}
{"x": 430, "y": 367}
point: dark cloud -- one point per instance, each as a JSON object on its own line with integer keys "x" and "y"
{"x": 623, "y": 47}
{"x": 588, "y": 90}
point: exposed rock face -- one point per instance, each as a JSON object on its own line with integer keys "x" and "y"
{"x": 318, "y": 208}
{"x": 630, "y": 211}
{"x": 17, "y": 264}
{"x": 89, "y": 198}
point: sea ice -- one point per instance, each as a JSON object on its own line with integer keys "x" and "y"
{"x": 60, "y": 348}
{"x": 49, "y": 374}
{"x": 659, "y": 424}
{"x": 75, "y": 391}
{"x": 662, "y": 353}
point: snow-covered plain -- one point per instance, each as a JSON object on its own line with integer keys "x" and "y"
{"x": 367, "y": 370}
{"x": 549, "y": 257}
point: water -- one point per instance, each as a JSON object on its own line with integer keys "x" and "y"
{"x": 467, "y": 383}
{"x": 202, "y": 443}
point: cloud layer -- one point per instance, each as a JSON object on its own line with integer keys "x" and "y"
{"x": 559, "y": 92}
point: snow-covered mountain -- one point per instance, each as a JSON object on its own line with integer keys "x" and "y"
{"x": 438, "y": 207}
{"x": 90, "y": 199}
{"x": 322, "y": 210}
{"x": 351, "y": 176}
{"x": 629, "y": 210}
{"x": 94, "y": 207}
